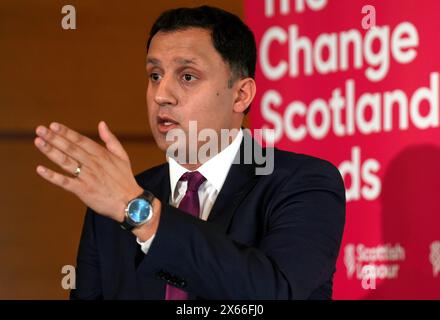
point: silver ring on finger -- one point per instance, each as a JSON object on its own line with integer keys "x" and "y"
{"x": 77, "y": 170}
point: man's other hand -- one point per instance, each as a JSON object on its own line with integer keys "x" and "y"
{"x": 104, "y": 180}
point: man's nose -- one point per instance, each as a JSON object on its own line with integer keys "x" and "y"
{"x": 165, "y": 93}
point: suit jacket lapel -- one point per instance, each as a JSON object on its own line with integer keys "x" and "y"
{"x": 161, "y": 188}
{"x": 239, "y": 182}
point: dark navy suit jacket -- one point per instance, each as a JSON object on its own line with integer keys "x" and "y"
{"x": 271, "y": 236}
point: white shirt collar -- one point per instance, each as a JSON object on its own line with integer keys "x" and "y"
{"x": 214, "y": 170}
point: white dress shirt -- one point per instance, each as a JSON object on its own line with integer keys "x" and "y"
{"x": 214, "y": 170}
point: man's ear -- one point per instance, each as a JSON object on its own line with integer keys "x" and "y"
{"x": 245, "y": 93}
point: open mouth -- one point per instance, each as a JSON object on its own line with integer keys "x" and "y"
{"x": 166, "y": 123}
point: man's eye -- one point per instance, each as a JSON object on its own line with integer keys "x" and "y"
{"x": 189, "y": 77}
{"x": 155, "y": 77}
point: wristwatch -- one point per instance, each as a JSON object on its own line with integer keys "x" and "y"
{"x": 138, "y": 211}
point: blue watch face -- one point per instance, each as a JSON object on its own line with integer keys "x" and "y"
{"x": 139, "y": 210}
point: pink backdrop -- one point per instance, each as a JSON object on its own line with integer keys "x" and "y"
{"x": 366, "y": 98}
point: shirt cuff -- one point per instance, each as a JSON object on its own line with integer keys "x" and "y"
{"x": 145, "y": 246}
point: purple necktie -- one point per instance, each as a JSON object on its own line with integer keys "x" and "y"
{"x": 190, "y": 204}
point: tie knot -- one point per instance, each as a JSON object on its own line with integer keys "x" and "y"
{"x": 195, "y": 180}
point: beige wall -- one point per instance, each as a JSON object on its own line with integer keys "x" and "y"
{"x": 77, "y": 77}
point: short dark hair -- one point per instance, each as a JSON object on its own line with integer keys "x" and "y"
{"x": 231, "y": 37}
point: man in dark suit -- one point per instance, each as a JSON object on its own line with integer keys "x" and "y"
{"x": 207, "y": 229}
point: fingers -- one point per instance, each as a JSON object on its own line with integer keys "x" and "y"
{"x": 67, "y": 183}
{"x": 71, "y": 135}
{"x": 111, "y": 142}
{"x": 62, "y": 144}
{"x": 61, "y": 159}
